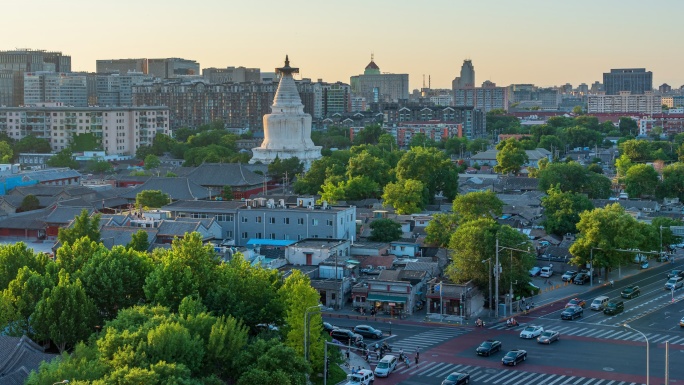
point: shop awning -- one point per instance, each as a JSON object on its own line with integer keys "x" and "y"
{"x": 386, "y": 298}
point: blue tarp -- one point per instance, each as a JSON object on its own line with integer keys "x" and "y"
{"x": 269, "y": 242}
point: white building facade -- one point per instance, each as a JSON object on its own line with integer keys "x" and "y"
{"x": 625, "y": 102}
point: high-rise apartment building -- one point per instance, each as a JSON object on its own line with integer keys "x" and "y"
{"x": 238, "y": 105}
{"x": 488, "y": 97}
{"x": 117, "y": 90}
{"x": 379, "y": 87}
{"x": 467, "y": 78}
{"x": 231, "y": 75}
{"x": 634, "y": 80}
{"x": 69, "y": 89}
{"x": 331, "y": 98}
{"x": 26, "y": 60}
{"x": 120, "y": 130}
{"x": 625, "y": 102}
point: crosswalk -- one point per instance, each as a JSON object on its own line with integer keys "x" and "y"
{"x": 427, "y": 339}
{"x": 502, "y": 376}
{"x": 605, "y": 332}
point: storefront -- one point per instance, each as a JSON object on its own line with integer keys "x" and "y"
{"x": 387, "y": 304}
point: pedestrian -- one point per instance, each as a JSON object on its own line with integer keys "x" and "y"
{"x": 523, "y": 299}
{"x": 527, "y": 308}
{"x": 353, "y": 369}
{"x": 417, "y": 355}
{"x": 407, "y": 362}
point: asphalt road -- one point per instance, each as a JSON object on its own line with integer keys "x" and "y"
{"x": 594, "y": 350}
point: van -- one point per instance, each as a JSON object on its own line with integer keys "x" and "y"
{"x": 546, "y": 272}
{"x": 386, "y": 365}
{"x": 614, "y": 307}
{"x": 599, "y": 303}
{"x": 362, "y": 377}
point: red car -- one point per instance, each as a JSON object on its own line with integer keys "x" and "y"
{"x": 576, "y": 302}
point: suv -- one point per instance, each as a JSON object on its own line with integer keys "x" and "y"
{"x": 345, "y": 336}
{"x": 630, "y": 292}
{"x": 614, "y": 307}
{"x": 386, "y": 365}
{"x": 569, "y": 276}
{"x": 675, "y": 273}
{"x": 581, "y": 279}
{"x": 546, "y": 272}
{"x": 674, "y": 283}
{"x": 367, "y": 331}
{"x": 599, "y": 303}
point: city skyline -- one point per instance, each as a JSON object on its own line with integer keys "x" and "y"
{"x": 530, "y": 41}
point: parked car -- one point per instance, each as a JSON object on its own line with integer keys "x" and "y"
{"x": 535, "y": 271}
{"x": 548, "y": 337}
{"x": 488, "y": 347}
{"x": 681, "y": 322}
{"x": 546, "y": 272}
{"x": 581, "y": 279}
{"x": 569, "y": 275}
{"x": 531, "y": 331}
{"x": 576, "y": 302}
{"x": 674, "y": 283}
{"x": 514, "y": 356}
{"x": 630, "y": 292}
{"x": 367, "y": 331}
{"x": 456, "y": 378}
{"x": 614, "y": 307}
{"x": 572, "y": 312}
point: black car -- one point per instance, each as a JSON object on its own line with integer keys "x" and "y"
{"x": 614, "y": 307}
{"x": 346, "y": 336}
{"x": 675, "y": 273}
{"x": 514, "y": 356}
{"x": 488, "y": 347}
{"x": 572, "y": 312}
{"x": 456, "y": 378}
{"x": 581, "y": 279}
{"x": 630, "y": 292}
{"x": 328, "y": 327}
{"x": 368, "y": 331}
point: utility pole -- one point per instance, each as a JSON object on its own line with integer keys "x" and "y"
{"x": 496, "y": 285}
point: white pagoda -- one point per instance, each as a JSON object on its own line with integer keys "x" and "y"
{"x": 287, "y": 129}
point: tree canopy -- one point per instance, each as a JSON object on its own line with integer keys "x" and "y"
{"x": 385, "y": 230}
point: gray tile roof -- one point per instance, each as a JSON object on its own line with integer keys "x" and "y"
{"x": 15, "y": 200}
{"x": 51, "y": 190}
{"x": 177, "y": 188}
{"x": 18, "y": 357}
{"x": 224, "y": 174}
{"x": 121, "y": 236}
{"x": 65, "y": 214}
{"x": 218, "y": 206}
{"x": 177, "y": 228}
{"x": 30, "y": 220}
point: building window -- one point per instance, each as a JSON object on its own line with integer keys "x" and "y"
{"x": 272, "y": 220}
{"x": 229, "y": 234}
{"x": 272, "y": 236}
{"x": 258, "y": 219}
{"x": 244, "y": 220}
{"x": 314, "y": 222}
{"x": 244, "y": 235}
{"x": 300, "y": 237}
{"x": 259, "y": 236}
{"x": 329, "y": 222}
{"x": 224, "y": 217}
{"x": 286, "y": 221}
{"x": 300, "y": 221}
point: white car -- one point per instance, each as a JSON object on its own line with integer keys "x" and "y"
{"x": 531, "y": 331}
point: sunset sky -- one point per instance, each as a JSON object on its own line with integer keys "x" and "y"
{"x": 545, "y": 42}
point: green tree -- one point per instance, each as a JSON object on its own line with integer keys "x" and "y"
{"x": 332, "y": 190}
{"x": 478, "y": 145}
{"x": 641, "y": 180}
{"x": 607, "y": 231}
{"x": 551, "y": 143}
{"x": 83, "y": 226}
{"x": 661, "y": 226}
{"x": 139, "y": 241}
{"x": 431, "y": 167}
{"x": 65, "y": 314}
{"x": 115, "y": 279}
{"x": 573, "y": 177}
{"x": 322, "y": 169}
{"x": 360, "y": 187}
{"x": 369, "y": 135}
{"x": 6, "y": 153}
{"x": 99, "y": 166}
{"x": 227, "y": 193}
{"x": 279, "y": 169}
{"x": 636, "y": 150}
{"x": 440, "y": 228}
{"x": 71, "y": 257}
{"x": 405, "y": 196}
{"x": 628, "y": 126}
{"x": 510, "y": 158}
{"x": 672, "y": 185}
{"x": 151, "y": 162}
{"x": 29, "y": 203}
{"x": 31, "y": 144}
{"x": 622, "y": 164}
{"x": 366, "y": 165}
{"x": 152, "y": 199}
{"x": 63, "y": 158}
{"x": 20, "y": 300}
{"x": 15, "y": 256}
{"x": 562, "y": 209}
{"x": 85, "y": 142}
{"x": 385, "y": 230}
{"x": 577, "y": 110}
{"x": 475, "y": 205}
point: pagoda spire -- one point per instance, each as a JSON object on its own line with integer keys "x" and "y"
{"x": 286, "y": 69}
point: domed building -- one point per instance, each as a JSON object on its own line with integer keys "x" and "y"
{"x": 376, "y": 86}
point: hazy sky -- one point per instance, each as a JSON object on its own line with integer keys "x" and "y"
{"x": 545, "y": 42}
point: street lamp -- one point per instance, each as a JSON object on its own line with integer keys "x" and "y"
{"x": 497, "y": 272}
{"x": 318, "y": 307}
{"x": 489, "y": 278}
{"x": 647, "y": 353}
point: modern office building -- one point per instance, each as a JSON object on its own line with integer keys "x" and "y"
{"x": 625, "y": 102}
{"x": 377, "y": 87}
{"x": 172, "y": 68}
{"x": 26, "y": 60}
{"x": 488, "y": 97}
{"x": 113, "y": 90}
{"x": 121, "y": 66}
{"x": 231, "y": 75}
{"x": 120, "y": 130}
{"x": 7, "y": 87}
{"x": 635, "y": 80}
{"x": 55, "y": 87}
{"x": 467, "y": 78}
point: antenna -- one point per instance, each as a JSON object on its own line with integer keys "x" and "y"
{"x": 429, "y": 81}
